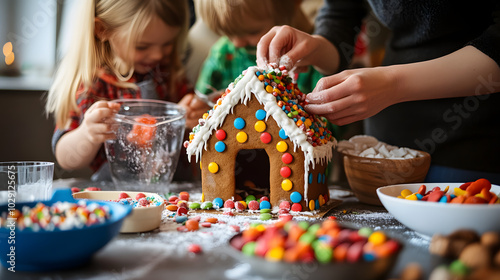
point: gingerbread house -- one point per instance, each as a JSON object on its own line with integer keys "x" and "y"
{"x": 259, "y": 136}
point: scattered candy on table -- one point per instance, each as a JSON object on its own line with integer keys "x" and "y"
{"x": 323, "y": 242}
{"x": 477, "y": 192}
{"x": 60, "y": 215}
{"x": 140, "y": 200}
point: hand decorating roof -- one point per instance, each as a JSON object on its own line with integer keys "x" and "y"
{"x": 282, "y": 100}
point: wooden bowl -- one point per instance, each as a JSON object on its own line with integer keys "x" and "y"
{"x": 365, "y": 175}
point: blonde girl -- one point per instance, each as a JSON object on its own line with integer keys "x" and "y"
{"x": 120, "y": 49}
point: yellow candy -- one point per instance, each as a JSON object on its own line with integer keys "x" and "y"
{"x": 241, "y": 137}
{"x": 377, "y": 238}
{"x": 446, "y": 189}
{"x": 202, "y": 197}
{"x": 399, "y": 196}
{"x": 269, "y": 88}
{"x": 213, "y": 167}
{"x": 260, "y": 126}
{"x": 205, "y": 116}
{"x": 458, "y": 191}
{"x": 191, "y": 136}
{"x": 275, "y": 254}
{"x": 282, "y": 146}
{"x": 312, "y": 205}
{"x": 405, "y": 193}
{"x": 308, "y": 122}
{"x": 412, "y": 197}
{"x": 286, "y": 185}
{"x": 260, "y": 228}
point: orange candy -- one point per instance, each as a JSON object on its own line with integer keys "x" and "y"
{"x": 143, "y": 135}
{"x": 192, "y": 225}
{"x": 211, "y": 220}
{"x": 476, "y": 187}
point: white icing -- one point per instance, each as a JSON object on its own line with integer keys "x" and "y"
{"x": 242, "y": 93}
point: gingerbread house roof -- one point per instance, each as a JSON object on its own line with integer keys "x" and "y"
{"x": 310, "y": 134}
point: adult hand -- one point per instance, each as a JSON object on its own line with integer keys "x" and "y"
{"x": 289, "y": 47}
{"x": 195, "y": 108}
{"x": 97, "y": 121}
{"x": 353, "y": 95}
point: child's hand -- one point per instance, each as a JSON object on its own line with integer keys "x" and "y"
{"x": 97, "y": 121}
{"x": 195, "y": 108}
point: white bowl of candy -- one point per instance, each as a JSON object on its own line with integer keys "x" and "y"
{"x": 146, "y": 212}
{"x": 441, "y": 212}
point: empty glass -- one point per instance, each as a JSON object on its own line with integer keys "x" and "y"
{"x": 24, "y": 181}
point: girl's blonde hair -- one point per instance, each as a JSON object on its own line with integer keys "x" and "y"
{"x": 229, "y": 17}
{"x": 87, "y": 52}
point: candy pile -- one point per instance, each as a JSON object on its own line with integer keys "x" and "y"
{"x": 61, "y": 215}
{"x": 303, "y": 242}
{"x": 141, "y": 200}
{"x": 181, "y": 205}
{"x": 477, "y": 192}
{"x": 88, "y": 189}
{"x": 475, "y": 257}
{"x": 288, "y": 97}
{"x": 370, "y": 147}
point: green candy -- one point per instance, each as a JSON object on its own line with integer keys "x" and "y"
{"x": 304, "y": 225}
{"x": 323, "y": 254}
{"x": 206, "y": 205}
{"x": 249, "y": 248}
{"x": 458, "y": 268}
{"x": 365, "y": 231}
{"x": 265, "y": 216}
{"x": 307, "y": 238}
{"x": 314, "y": 228}
{"x": 265, "y": 211}
{"x": 250, "y": 198}
{"x": 194, "y": 205}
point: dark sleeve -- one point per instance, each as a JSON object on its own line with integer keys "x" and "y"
{"x": 339, "y": 21}
{"x": 489, "y": 41}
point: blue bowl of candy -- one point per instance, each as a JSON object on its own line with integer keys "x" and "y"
{"x": 47, "y": 235}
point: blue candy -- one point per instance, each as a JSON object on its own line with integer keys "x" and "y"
{"x": 239, "y": 123}
{"x": 264, "y": 204}
{"x": 260, "y": 114}
{"x": 220, "y": 146}
{"x": 295, "y": 197}
{"x": 218, "y": 203}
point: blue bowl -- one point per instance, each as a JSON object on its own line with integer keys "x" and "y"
{"x": 58, "y": 249}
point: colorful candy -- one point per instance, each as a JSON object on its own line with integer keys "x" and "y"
{"x": 303, "y": 242}
{"x": 477, "y": 192}
{"x": 60, "y": 215}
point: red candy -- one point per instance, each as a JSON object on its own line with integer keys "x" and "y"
{"x": 75, "y": 190}
{"x": 182, "y": 211}
{"x": 285, "y": 205}
{"x": 139, "y": 196}
{"x": 220, "y": 135}
{"x": 143, "y": 202}
{"x": 229, "y": 204}
{"x": 239, "y": 206}
{"x": 253, "y": 205}
{"x": 285, "y": 171}
{"x": 296, "y": 207}
{"x": 173, "y": 199}
{"x": 123, "y": 195}
{"x": 194, "y": 248}
{"x": 264, "y": 198}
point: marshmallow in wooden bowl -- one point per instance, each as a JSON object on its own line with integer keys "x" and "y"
{"x": 370, "y": 164}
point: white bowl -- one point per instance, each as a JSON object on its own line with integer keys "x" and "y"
{"x": 429, "y": 218}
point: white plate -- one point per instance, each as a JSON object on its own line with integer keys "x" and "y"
{"x": 430, "y": 218}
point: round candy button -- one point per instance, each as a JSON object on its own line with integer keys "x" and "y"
{"x": 312, "y": 204}
{"x": 287, "y": 158}
{"x": 241, "y": 137}
{"x": 295, "y": 197}
{"x": 239, "y": 123}
{"x": 265, "y": 205}
{"x": 260, "y": 126}
{"x": 220, "y": 134}
{"x": 286, "y": 185}
{"x": 265, "y": 138}
{"x": 213, "y": 167}
{"x": 218, "y": 203}
{"x": 282, "y": 146}
{"x": 220, "y": 146}
{"x": 285, "y": 171}
{"x": 283, "y": 134}
{"x": 260, "y": 114}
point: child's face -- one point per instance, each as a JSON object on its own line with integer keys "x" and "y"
{"x": 154, "y": 47}
{"x": 254, "y": 30}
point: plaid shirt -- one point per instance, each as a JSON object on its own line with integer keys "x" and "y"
{"x": 104, "y": 88}
{"x": 226, "y": 62}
